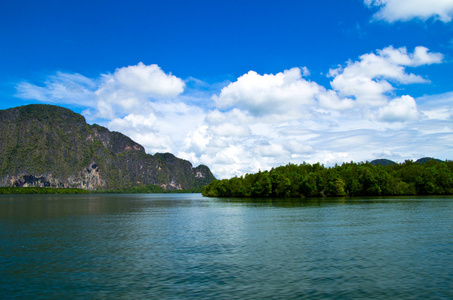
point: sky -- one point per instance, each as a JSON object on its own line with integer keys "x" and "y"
{"x": 242, "y": 86}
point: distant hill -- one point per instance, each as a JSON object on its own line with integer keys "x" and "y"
{"x": 382, "y": 162}
{"x": 51, "y": 146}
{"x": 426, "y": 159}
{"x": 386, "y": 162}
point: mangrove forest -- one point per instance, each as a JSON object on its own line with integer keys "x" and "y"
{"x": 432, "y": 177}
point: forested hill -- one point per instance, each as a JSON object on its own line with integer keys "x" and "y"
{"x": 51, "y": 146}
{"x": 429, "y": 177}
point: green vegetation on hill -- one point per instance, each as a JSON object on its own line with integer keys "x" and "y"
{"x": 350, "y": 179}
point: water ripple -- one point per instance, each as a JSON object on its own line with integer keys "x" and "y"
{"x": 187, "y": 247}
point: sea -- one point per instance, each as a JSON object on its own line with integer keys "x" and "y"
{"x": 186, "y": 246}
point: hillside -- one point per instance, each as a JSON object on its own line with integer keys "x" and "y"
{"x": 51, "y": 146}
{"x": 382, "y": 162}
{"x": 424, "y": 160}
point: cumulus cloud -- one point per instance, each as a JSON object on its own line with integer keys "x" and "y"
{"x": 399, "y": 110}
{"x": 149, "y": 80}
{"x": 259, "y": 94}
{"x": 162, "y": 127}
{"x": 197, "y": 140}
{"x": 404, "y": 10}
{"x": 331, "y": 100}
{"x": 139, "y": 123}
{"x": 369, "y": 80}
{"x": 129, "y": 89}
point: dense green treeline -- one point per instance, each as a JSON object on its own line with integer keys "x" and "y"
{"x": 150, "y": 189}
{"x": 40, "y": 190}
{"x": 349, "y": 179}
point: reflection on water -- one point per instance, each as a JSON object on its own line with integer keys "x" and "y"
{"x": 305, "y": 202}
{"x": 186, "y": 246}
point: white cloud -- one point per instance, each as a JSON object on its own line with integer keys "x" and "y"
{"x": 437, "y": 107}
{"x": 285, "y": 92}
{"x": 162, "y": 127}
{"x": 130, "y": 89}
{"x": 271, "y": 150}
{"x": 197, "y": 140}
{"x": 297, "y": 147}
{"x": 228, "y": 129}
{"x": 331, "y": 100}
{"x": 140, "y": 123}
{"x": 399, "y": 110}
{"x": 421, "y": 56}
{"x": 61, "y": 88}
{"x": 147, "y": 79}
{"x": 370, "y": 79}
{"x": 404, "y": 10}
{"x": 217, "y": 117}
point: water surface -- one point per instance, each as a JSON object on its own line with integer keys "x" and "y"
{"x": 182, "y": 246}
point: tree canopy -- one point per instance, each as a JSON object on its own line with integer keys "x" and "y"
{"x": 350, "y": 179}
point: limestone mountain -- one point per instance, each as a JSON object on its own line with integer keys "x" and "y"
{"x": 51, "y": 146}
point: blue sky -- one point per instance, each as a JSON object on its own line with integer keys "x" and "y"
{"x": 242, "y": 85}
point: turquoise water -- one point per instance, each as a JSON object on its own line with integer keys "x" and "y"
{"x": 183, "y": 246}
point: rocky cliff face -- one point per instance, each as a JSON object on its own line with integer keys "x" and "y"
{"x": 50, "y": 146}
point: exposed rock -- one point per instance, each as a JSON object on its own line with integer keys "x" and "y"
{"x": 89, "y": 178}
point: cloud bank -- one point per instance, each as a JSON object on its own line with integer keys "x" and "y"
{"x": 261, "y": 121}
{"x": 404, "y": 10}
